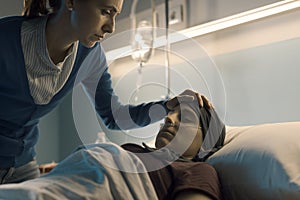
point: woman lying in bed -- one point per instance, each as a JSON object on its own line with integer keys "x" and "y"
{"x": 106, "y": 171}
{"x": 190, "y": 134}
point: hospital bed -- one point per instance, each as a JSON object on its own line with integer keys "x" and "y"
{"x": 257, "y": 162}
{"x": 260, "y": 162}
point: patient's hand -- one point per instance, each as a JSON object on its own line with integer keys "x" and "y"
{"x": 189, "y": 96}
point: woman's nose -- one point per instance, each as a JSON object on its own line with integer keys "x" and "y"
{"x": 109, "y": 26}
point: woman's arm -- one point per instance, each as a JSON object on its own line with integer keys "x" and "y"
{"x": 115, "y": 115}
{"x": 118, "y": 116}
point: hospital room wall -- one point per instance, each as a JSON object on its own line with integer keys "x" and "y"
{"x": 10, "y": 7}
{"x": 258, "y": 63}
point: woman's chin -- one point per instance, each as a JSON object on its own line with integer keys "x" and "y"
{"x": 88, "y": 44}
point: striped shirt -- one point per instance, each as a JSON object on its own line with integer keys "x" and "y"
{"x": 44, "y": 77}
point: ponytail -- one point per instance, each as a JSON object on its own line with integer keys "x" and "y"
{"x": 35, "y": 8}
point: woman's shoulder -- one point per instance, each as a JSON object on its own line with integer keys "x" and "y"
{"x": 12, "y": 19}
{"x": 11, "y": 24}
{"x": 15, "y": 21}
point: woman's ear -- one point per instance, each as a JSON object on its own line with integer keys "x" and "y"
{"x": 69, "y": 4}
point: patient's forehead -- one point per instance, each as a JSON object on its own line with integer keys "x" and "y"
{"x": 186, "y": 113}
{"x": 184, "y": 105}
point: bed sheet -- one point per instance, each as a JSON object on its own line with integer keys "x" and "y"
{"x": 90, "y": 173}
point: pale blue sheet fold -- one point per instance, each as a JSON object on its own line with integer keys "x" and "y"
{"x": 99, "y": 171}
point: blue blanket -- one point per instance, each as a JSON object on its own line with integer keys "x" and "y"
{"x": 97, "y": 171}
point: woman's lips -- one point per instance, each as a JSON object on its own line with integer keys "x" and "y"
{"x": 99, "y": 37}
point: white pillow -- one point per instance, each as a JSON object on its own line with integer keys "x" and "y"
{"x": 260, "y": 162}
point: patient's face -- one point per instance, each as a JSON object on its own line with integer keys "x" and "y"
{"x": 183, "y": 123}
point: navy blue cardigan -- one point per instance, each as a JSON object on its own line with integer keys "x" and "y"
{"x": 19, "y": 115}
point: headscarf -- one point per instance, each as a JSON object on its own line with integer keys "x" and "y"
{"x": 213, "y": 130}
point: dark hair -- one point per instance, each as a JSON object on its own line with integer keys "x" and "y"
{"x": 35, "y": 8}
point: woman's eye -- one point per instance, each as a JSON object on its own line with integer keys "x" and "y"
{"x": 106, "y": 12}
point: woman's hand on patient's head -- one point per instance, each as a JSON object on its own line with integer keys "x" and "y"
{"x": 205, "y": 101}
{"x": 189, "y": 96}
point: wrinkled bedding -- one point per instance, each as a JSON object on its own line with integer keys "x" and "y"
{"x": 91, "y": 172}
